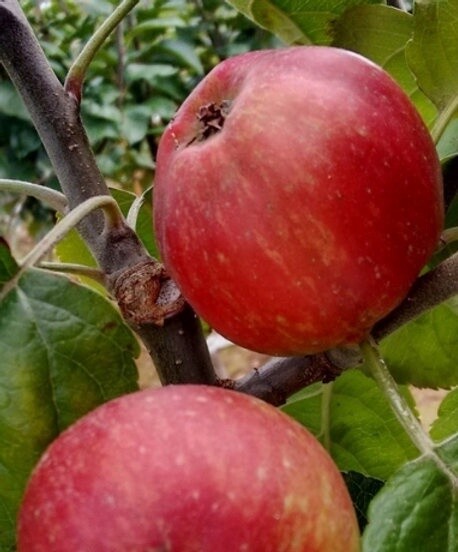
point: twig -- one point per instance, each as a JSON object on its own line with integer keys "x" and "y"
{"x": 427, "y": 292}
{"x": 76, "y": 73}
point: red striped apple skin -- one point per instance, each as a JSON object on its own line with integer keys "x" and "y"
{"x": 306, "y": 218}
{"x": 186, "y": 469}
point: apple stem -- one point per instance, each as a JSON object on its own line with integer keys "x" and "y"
{"x": 74, "y": 80}
{"x": 401, "y": 408}
{"x": 443, "y": 119}
{"x": 53, "y": 198}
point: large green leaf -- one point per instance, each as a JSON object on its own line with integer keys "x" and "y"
{"x": 433, "y": 52}
{"x": 298, "y": 21}
{"x": 432, "y": 55}
{"x": 64, "y": 350}
{"x": 424, "y": 352}
{"x": 417, "y": 509}
{"x": 354, "y": 420}
{"x": 381, "y": 33}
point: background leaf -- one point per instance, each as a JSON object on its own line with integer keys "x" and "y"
{"x": 417, "y": 509}
{"x": 10, "y": 103}
{"x": 381, "y": 33}
{"x": 65, "y": 350}
{"x": 424, "y": 351}
{"x": 354, "y": 420}
{"x": 8, "y": 266}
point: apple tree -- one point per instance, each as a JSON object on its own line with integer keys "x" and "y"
{"x": 75, "y": 306}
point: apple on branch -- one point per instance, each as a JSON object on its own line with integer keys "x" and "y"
{"x": 186, "y": 468}
{"x": 297, "y": 196}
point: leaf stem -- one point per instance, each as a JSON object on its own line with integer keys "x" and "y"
{"x": 449, "y": 235}
{"x": 70, "y": 220}
{"x": 401, "y": 409}
{"x": 53, "y": 198}
{"x": 74, "y": 80}
{"x": 77, "y": 269}
{"x": 443, "y": 119}
{"x": 134, "y": 211}
{"x": 326, "y": 414}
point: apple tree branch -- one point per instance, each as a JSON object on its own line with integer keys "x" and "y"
{"x": 116, "y": 247}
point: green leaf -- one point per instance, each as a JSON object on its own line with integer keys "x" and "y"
{"x": 354, "y": 421}
{"x": 297, "y": 21}
{"x": 417, "y": 509}
{"x": 448, "y": 143}
{"x": 73, "y": 249}
{"x": 381, "y": 34}
{"x": 446, "y": 423}
{"x": 432, "y": 54}
{"x": 64, "y": 350}
{"x": 424, "y": 352}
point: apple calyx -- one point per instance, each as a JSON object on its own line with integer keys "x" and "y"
{"x": 211, "y": 117}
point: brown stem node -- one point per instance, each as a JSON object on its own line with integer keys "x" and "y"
{"x": 146, "y": 295}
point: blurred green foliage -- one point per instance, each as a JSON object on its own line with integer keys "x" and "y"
{"x": 134, "y": 85}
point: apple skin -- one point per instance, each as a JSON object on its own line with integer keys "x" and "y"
{"x": 186, "y": 468}
{"x": 308, "y": 216}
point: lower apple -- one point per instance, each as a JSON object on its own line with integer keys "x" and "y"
{"x": 186, "y": 468}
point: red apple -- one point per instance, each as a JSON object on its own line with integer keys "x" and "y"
{"x": 297, "y": 196}
{"x": 186, "y": 469}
